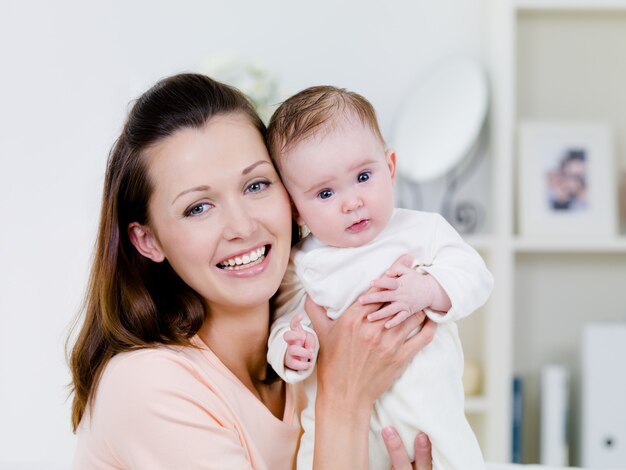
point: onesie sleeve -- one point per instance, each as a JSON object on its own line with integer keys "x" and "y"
{"x": 459, "y": 269}
{"x": 289, "y": 302}
{"x": 156, "y": 414}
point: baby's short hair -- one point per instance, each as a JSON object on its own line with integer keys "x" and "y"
{"x": 314, "y": 110}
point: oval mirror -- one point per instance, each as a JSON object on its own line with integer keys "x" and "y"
{"x": 441, "y": 120}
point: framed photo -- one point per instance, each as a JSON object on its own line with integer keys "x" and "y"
{"x": 567, "y": 180}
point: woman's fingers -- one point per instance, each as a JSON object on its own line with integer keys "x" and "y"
{"x": 423, "y": 453}
{"x": 386, "y": 311}
{"x": 399, "y": 318}
{"x": 317, "y": 315}
{"x": 420, "y": 340}
{"x": 397, "y": 453}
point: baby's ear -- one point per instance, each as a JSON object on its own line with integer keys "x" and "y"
{"x": 390, "y": 158}
{"x": 303, "y": 230}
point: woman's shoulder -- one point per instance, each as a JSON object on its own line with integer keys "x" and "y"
{"x": 153, "y": 374}
{"x": 139, "y": 363}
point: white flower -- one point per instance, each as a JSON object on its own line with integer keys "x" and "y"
{"x": 253, "y": 79}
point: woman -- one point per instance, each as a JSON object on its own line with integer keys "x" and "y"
{"x": 169, "y": 367}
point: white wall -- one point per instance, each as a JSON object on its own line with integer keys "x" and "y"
{"x": 69, "y": 70}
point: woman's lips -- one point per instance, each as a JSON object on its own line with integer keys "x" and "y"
{"x": 244, "y": 259}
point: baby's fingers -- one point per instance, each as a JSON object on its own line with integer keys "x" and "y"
{"x": 379, "y": 297}
{"x": 293, "y": 337}
{"x": 295, "y": 323}
{"x": 299, "y": 352}
{"x": 295, "y": 363}
{"x": 400, "y": 266}
{"x": 386, "y": 282}
{"x": 310, "y": 342}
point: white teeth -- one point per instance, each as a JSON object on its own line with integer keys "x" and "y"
{"x": 249, "y": 259}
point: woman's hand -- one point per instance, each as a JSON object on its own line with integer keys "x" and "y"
{"x": 361, "y": 359}
{"x": 358, "y": 360}
{"x": 398, "y": 455}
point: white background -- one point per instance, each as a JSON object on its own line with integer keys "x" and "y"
{"x": 69, "y": 70}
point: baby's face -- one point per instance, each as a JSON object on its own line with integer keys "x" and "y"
{"x": 341, "y": 183}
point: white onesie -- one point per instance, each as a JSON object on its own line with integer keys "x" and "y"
{"x": 429, "y": 395}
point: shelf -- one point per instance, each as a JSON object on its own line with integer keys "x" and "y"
{"x": 612, "y": 245}
{"x": 475, "y": 404}
{"x": 569, "y": 5}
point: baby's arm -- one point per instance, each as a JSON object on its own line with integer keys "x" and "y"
{"x": 406, "y": 291}
{"x": 455, "y": 275}
{"x": 288, "y": 304}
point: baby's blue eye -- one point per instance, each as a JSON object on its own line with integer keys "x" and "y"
{"x": 197, "y": 209}
{"x": 325, "y": 194}
{"x": 363, "y": 177}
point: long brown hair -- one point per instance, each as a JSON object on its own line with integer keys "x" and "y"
{"x": 132, "y": 302}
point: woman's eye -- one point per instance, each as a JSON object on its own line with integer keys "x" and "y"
{"x": 363, "y": 177}
{"x": 257, "y": 186}
{"x": 325, "y": 194}
{"x": 197, "y": 209}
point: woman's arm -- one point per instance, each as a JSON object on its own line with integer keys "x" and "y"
{"x": 358, "y": 361}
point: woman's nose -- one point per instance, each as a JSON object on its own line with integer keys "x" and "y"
{"x": 239, "y": 221}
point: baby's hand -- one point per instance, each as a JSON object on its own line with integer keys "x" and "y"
{"x": 300, "y": 346}
{"x": 402, "y": 290}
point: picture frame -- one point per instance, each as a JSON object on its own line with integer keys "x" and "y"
{"x": 566, "y": 187}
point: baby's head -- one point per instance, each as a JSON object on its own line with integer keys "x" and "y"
{"x": 333, "y": 160}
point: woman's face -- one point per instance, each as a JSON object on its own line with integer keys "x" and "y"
{"x": 219, "y": 212}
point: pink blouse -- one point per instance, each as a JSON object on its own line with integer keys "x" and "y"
{"x": 181, "y": 408}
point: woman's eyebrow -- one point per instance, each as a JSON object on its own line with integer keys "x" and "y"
{"x": 204, "y": 187}
{"x": 253, "y": 166}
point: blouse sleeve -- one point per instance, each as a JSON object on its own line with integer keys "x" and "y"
{"x": 155, "y": 413}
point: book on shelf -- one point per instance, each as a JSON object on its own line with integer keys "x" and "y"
{"x": 516, "y": 445}
{"x": 554, "y": 449}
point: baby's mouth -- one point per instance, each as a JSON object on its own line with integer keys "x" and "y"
{"x": 358, "y": 226}
{"x": 247, "y": 260}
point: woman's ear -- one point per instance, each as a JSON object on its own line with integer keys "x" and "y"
{"x": 390, "y": 158}
{"x": 145, "y": 242}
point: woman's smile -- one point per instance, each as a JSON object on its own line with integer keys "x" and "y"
{"x": 247, "y": 264}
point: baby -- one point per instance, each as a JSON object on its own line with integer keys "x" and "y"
{"x": 333, "y": 161}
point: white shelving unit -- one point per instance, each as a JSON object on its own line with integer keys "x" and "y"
{"x": 545, "y": 289}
